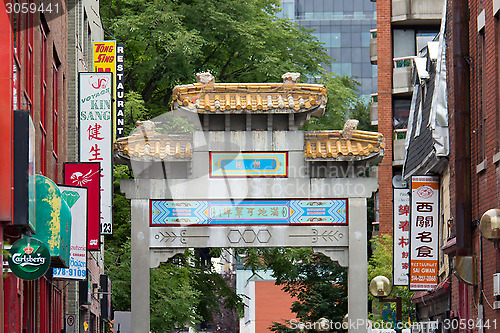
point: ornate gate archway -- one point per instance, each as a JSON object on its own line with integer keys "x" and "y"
{"x": 247, "y": 177}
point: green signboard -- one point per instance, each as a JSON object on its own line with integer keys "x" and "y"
{"x": 29, "y": 258}
{"x": 53, "y": 220}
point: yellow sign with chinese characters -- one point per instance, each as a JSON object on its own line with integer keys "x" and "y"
{"x": 104, "y": 56}
{"x": 104, "y": 60}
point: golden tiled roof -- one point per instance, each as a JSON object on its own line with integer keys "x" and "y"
{"x": 335, "y": 145}
{"x": 173, "y": 147}
{"x": 286, "y": 97}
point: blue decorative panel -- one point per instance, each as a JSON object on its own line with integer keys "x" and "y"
{"x": 249, "y": 164}
{"x": 248, "y": 212}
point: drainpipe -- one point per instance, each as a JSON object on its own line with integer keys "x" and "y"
{"x": 461, "y": 93}
{"x": 461, "y": 90}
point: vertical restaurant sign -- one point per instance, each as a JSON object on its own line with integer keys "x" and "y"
{"x": 87, "y": 175}
{"x": 424, "y": 232}
{"x": 96, "y": 125}
{"x": 120, "y": 90}
{"x": 76, "y": 198}
{"x": 401, "y": 236}
{"x": 104, "y": 60}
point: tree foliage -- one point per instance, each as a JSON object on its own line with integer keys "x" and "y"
{"x": 237, "y": 41}
{"x": 318, "y": 285}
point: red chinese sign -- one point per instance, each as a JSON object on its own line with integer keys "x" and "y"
{"x": 87, "y": 174}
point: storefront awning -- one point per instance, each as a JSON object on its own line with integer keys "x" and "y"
{"x": 53, "y": 220}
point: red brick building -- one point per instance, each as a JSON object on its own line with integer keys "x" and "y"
{"x": 479, "y": 106}
{"x": 470, "y": 178}
{"x": 33, "y": 73}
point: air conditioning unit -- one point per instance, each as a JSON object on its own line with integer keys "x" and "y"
{"x": 496, "y": 284}
{"x": 496, "y": 305}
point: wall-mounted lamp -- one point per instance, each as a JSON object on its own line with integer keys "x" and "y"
{"x": 490, "y": 224}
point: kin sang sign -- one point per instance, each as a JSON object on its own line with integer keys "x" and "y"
{"x": 96, "y": 134}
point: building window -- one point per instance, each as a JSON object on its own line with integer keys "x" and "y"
{"x": 43, "y": 95}
{"x": 28, "y": 63}
{"x": 16, "y": 69}
{"x": 55, "y": 113}
{"x": 481, "y": 118}
{"x": 497, "y": 23}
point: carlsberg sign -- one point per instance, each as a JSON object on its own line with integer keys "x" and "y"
{"x": 29, "y": 258}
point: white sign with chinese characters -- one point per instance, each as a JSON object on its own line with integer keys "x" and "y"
{"x": 401, "y": 236}
{"x": 96, "y": 134}
{"x": 424, "y": 232}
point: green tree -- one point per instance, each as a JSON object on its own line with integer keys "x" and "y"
{"x": 361, "y": 111}
{"x": 343, "y": 103}
{"x": 168, "y": 41}
{"x": 381, "y": 264}
{"x": 318, "y": 285}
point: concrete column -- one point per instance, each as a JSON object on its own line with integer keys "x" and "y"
{"x": 140, "y": 265}
{"x": 357, "y": 285}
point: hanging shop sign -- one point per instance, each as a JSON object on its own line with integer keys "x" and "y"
{"x": 53, "y": 219}
{"x": 88, "y": 175}
{"x": 248, "y": 212}
{"x": 29, "y": 258}
{"x": 24, "y": 170}
{"x": 96, "y": 124}
{"x": 424, "y": 232}
{"x": 248, "y": 164}
{"x": 76, "y": 198}
{"x": 105, "y": 303}
{"x": 401, "y": 236}
{"x": 104, "y": 59}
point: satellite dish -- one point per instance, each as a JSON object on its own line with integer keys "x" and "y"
{"x": 399, "y": 182}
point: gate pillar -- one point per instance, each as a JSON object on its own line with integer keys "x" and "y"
{"x": 140, "y": 265}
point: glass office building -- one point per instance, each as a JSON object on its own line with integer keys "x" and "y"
{"x": 344, "y": 28}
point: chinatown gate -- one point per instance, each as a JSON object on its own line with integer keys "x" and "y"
{"x": 247, "y": 177}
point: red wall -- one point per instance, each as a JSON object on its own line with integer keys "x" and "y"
{"x": 384, "y": 64}
{"x": 271, "y": 304}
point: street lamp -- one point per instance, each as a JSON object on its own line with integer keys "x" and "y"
{"x": 490, "y": 224}
{"x": 323, "y": 325}
{"x": 381, "y": 287}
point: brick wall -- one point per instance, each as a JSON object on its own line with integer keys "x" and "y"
{"x": 484, "y": 97}
{"x": 56, "y": 48}
{"x": 384, "y": 62}
{"x": 484, "y": 108}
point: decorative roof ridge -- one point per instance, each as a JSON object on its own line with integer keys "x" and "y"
{"x": 195, "y": 87}
{"x": 342, "y": 145}
{"x": 286, "y": 97}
